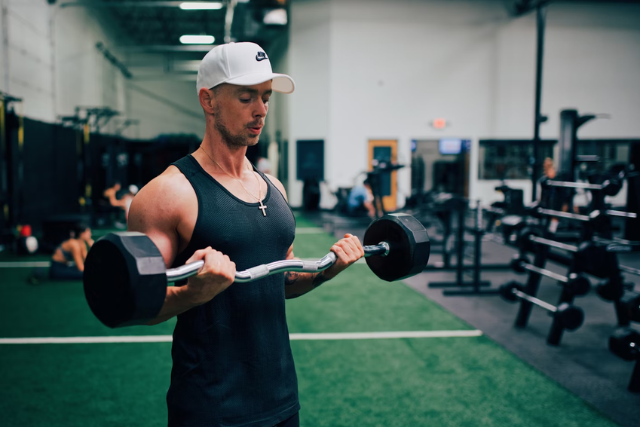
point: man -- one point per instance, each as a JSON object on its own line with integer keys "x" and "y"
{"x": 554, "y": 197}
{"x": 123, "y": 202}
{"x": 360, "y": 201}
{"x": 232, "y": 362}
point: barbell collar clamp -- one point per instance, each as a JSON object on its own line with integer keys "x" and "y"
{"x": 260, "y": 271}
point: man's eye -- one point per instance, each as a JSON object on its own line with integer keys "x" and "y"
{"x": 245, "y": 100}
{"x": 266, "y": 101}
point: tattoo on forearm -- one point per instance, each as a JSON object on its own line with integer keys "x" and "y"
{"x": 319, "y": 280}
{"x": 290, "y": 278}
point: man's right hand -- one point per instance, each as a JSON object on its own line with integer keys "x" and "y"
{"x": 217, "y": 274}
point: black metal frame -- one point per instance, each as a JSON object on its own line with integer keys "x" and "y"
{"x": 476, "y": 284}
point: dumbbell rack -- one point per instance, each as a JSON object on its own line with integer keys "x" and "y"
{"x": 536, "y": 272}
{"x": 625, "y": 343}
{"x": 594, "y": 255}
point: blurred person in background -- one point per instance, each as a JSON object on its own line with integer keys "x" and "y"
{"x": 123, "y": 202}
{"x": 360, "y": 201}
{"x": 67, "y": 262}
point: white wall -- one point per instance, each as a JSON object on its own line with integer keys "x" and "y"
{"x": 395, "y": 66}
{"x": 309, "y": 65}
{"x": 27, "y": 61}
{"x": 164, "y": 106}
{"x": 49, "y": 58}
{"x": 278, "y": 118}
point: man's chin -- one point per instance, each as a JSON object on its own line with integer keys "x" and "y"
{"x": 253, "y": 140}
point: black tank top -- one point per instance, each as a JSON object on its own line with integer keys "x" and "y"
{"x": 232, "y": 361}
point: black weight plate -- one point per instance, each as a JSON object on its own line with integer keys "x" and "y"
{"x": 409, "y": 246}
{"x": 124, "y": 279}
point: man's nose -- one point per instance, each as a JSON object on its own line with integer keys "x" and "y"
{"x": 261, "y": 110}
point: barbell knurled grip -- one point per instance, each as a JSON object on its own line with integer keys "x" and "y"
{"x": 257, "y": 272}
{"x": 310, "y": 266}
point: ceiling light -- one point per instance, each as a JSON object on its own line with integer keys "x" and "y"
{"x": 187, "y": 39}
{"x": 200, "y": 5}
{"x": 276, "y": 17}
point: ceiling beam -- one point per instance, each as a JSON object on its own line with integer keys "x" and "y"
{"x": 166, "y": 77}
{"x": 103, "y": 4}
{"x": 166, "y": 48}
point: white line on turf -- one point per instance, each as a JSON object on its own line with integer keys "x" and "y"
{"x": 386, "y": 335}
{"x": 309, "y": 230}
{"x": 25, "y": 264}
{"x": 296, "y": 337}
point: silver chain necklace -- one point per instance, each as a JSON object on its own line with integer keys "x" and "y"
{"x": 259, "y": 198}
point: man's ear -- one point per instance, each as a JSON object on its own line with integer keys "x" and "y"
{"x": 207, "y": 100}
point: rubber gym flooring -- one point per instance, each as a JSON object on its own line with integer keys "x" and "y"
{"x": 460, "y": 377}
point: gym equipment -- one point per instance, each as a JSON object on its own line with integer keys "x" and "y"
{"x": 610, "y": 187}
{"x": 476, "y": 284}
{"x": 630, "y": 302}
{"x": 511, "y": 227}
{"x": 528, "y": 237}
{"x": 577, "y": 284}
{"x": 569, "y": 316}
{"x": 625, "y": 343}
{"x": 125, "y": 278}
{"x": 27, "y": 245}
{"x": 630, "y": 270}
{"x": 444, "y": 206}
{"x": 11, "y": 163}
{"x": 594, "y": 216}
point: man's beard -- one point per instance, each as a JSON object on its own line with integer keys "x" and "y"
{"x": 233, "y": 140}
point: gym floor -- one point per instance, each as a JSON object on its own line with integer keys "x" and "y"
{"x": 582, "y": 363}
{"x": 469, "y": 368}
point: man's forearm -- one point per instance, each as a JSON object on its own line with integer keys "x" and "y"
{"x": 297, "y": 284}
{"x": 175, "y": 302}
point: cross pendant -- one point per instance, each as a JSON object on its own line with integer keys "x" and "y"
{"x": 264, "y": 208}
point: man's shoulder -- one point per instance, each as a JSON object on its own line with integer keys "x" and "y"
{"x": 171, "y": 184}
{"x": 165, "y": 195}
{"x": 276, "y": 182}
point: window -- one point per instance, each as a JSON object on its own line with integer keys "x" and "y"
{"x": 510, "y": 159}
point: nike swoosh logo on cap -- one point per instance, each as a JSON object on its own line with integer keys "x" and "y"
{"x": 261, "y": 56}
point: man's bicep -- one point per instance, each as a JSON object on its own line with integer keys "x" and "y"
{"x": 146, "y": 218}
{"x": 290, "y": 253}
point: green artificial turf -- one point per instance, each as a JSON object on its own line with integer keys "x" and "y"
{"x": 87, "y": 385}
{"x": 429, "y": 382}
{"x": 380, "y": 382}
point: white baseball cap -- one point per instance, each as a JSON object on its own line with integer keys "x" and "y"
{"x": 243, "y": 64}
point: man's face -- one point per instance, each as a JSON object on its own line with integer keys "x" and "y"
{"x": 240, "y": 112}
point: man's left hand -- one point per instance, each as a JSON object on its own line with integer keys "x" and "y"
{"x": 348, "y": 251}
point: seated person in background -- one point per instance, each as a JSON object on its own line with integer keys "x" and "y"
{"x": 360, "y": 201}
{"x": 67, "y": 262}
{"x": 125, "y": 201}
